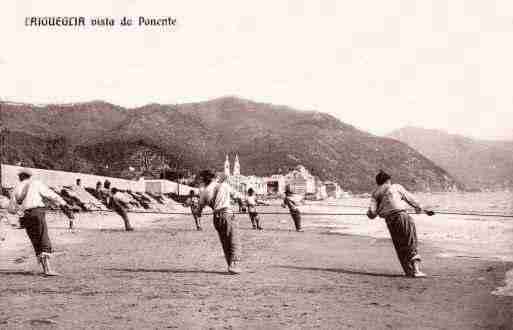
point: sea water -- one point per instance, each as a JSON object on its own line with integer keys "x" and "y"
{"x": 481, "y": 202}
{"x": 483, "y": 236}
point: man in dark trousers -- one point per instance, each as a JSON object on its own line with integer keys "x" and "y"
{"x": 293, "y": 201}
{"x": 27, "y": 197}
{"x": 252, "y": 202}
{"x": 217, "y": 194}
{"x": 118, "y": 203}
{"x": 391, "y": 201}
{"x": 192, "y": 201}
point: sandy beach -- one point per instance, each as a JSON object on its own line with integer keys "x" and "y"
{"x": 167, "y": 275}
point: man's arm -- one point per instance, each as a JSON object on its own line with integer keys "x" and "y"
{"x": 121, "y": 198}
{"x": 20, "y": 192}
{"x": 13, "y": 204}
{"x": 410, "y": 199}
{"x": 372, "y": 212}
{"x": 49, "y": 194}
{"x": 284, "y": 203}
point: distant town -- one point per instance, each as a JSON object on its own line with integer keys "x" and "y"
{"x": 299, "y": 179}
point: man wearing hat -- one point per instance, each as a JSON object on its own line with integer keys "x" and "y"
{"x": 27, "y": 197}
{"x": 218, "y": 194}
{"x": 391, "y": 201}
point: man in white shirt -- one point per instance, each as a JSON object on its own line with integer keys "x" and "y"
{"x": 193, "y": 201}
{"x": 252, "y": 202}
{"x": 27, "y": 197}
{"x": 217, "y": 195}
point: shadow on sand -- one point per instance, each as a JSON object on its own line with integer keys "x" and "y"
{"x": 170, "y": 271}
{"x": 341, "y": 271}
{"x": 113, "y": 230}
{"x": 269, "y": 229}
{"x": 17, "y": 272}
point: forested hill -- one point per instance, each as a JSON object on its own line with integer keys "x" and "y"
{"x": 102, "y": 138}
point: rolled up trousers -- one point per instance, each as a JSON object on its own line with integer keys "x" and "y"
{"x": 227, "y": 227}
{"x": 34, "y": 223}
{"x": 404, "y": 236}
{"x": 296, "y": 216}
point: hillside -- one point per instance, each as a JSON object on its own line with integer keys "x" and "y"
{"x": 105, "y": 139}
{"x": 476, "y": 163}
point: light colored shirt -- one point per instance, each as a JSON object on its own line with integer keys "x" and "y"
{"x": 217, "y": 196}
{"x": 192, "y": 202}
{"x": 119, "y": 196}
{"x": 388, "y": 199}
{"x": 252, "y": 202}
{"x": 29, "y": 194}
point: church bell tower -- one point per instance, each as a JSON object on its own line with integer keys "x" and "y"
{"x": 227, "y": 166}
{"x": 236, "y": 166}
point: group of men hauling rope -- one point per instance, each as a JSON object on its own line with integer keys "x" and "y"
{"x": 388, "y": 201}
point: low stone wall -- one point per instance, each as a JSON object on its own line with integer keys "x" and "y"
{"x": 81, "y": 200}
{"x": 60, "y": 179}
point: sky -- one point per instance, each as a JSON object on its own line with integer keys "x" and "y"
{"x": 378, "y": 65}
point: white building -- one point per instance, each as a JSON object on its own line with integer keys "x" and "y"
{"x": 241, "y": 183}
{"x": 333, "y": 189}
{"x": 320, "y": 190}
{"x": 301, "y": 181}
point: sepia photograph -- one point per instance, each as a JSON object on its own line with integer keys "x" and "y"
{"x": 287, "y": 164}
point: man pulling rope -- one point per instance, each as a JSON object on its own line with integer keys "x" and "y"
{"x": 27, "y": 198}
{"x": 217, "y": 194}
{"x": 390, "y": 201}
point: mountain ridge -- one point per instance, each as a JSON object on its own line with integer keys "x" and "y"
{"x": 477, "y": 163}
{"x": 108, "y": 139}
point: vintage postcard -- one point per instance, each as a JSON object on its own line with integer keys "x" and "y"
{"x": 288, "y": 164}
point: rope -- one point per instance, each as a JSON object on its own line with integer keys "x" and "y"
{"x": 476, "y": 214}
{"x": 437, "y": 211}
{"x": 322, "y": 205}
{"x": 479, "y": 214}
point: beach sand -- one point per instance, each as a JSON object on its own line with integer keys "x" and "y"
{"x": 168, "y": 275}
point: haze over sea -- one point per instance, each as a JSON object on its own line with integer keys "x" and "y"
{"x": 476, "y": 202}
